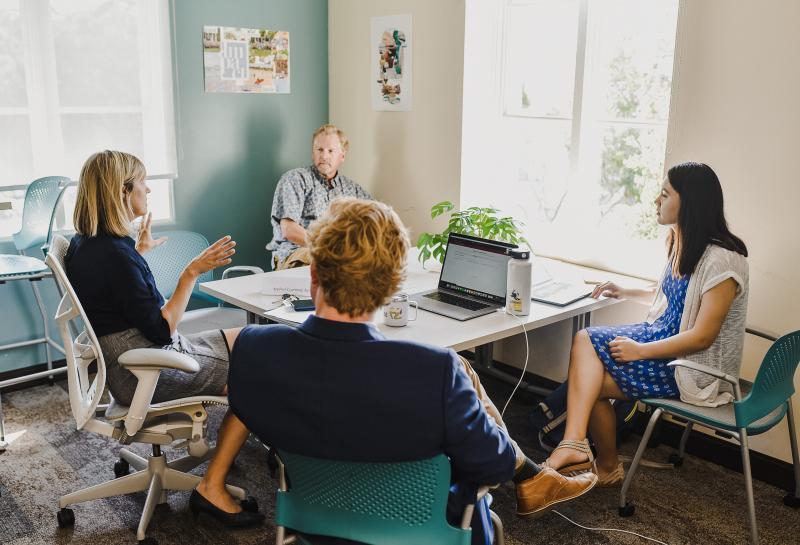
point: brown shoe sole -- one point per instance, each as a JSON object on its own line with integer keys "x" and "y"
{"x": 542, "y": 510}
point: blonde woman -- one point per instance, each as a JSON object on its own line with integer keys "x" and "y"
{"x": 116, "y": 288}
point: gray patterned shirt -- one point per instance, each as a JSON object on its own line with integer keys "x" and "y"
{"x": 302, "y": 195}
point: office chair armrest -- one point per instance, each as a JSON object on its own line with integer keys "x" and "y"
{"x": 761, "y": 333}
{"x": 241, "y": 268}
{"x": 689, "y": 364}
{"x": 466, "y": 518}
{"x": 157, "y": 358}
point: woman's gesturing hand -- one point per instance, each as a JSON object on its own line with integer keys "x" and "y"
{"x": 216, "y": 255}
{"x": 625, "y": 349}
{"x": 144, "y": 239}
{"x": 609, "y": 289}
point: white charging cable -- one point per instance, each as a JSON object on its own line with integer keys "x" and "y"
{"x": 608, "y": 529}
{"x": 524, "y": 368}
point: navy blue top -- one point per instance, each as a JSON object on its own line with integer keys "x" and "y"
{"x": 115, "y": 286}
{"x": 341, "y": 391}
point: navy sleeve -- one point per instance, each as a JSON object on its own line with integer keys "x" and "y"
{"x": 135, "y": 288}
{"x": 243, "y": 382}
{"x": 480, "y": 451}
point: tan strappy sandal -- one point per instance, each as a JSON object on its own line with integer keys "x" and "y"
{"x": 570, "y": 470}
{"x": 613, "y": 478}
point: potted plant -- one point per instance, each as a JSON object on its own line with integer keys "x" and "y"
{"x": 475, "y": 221}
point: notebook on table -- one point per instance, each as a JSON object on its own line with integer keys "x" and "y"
{"x": 473, "y": 279}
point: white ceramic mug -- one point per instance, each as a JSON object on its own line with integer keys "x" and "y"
{"x": 395, "y": 313}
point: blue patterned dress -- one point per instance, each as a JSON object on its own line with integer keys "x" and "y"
{"x": 645, "y": 378}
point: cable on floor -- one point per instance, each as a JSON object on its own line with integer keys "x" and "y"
{"x": 562, "y": 515}
{"x": 524, "y": 368}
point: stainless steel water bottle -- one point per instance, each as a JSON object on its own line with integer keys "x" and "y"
{"x": 518, "y": 283}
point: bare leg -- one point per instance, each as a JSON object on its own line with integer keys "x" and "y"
{"x": 588, "y": 383}
{"x": 232, "y": 435}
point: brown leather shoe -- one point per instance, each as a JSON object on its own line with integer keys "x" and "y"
{"x": 548, "y": 487}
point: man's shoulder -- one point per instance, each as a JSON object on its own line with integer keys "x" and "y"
{"x": 299, "y": 174}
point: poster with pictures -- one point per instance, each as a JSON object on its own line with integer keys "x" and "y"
{"x": 245, "y": 60}
{"x": 390, "y": 63}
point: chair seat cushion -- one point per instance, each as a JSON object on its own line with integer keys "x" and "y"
{"x": 205, "y": 319}
{"x": 721, "y": 417}
{"x": 12, "y": 266}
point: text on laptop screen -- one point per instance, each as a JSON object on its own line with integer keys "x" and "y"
{"x": 474, "y": 268}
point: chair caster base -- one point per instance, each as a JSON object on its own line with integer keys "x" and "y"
{"x": 790, "y": 500}
{"x": 148, "y": 541}
{"x": 627, "y": 510}
{"x": 675, "y": 459}
{"x": 66, "y": 518}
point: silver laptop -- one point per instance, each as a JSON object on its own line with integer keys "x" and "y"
{"x": 473, "y": 279}
{"x": 545, "y": 289}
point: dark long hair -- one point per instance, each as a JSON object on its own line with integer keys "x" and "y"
{"x": 701, "y": 217}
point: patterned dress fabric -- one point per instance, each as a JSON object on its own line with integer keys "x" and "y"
{"x": 645, "y": 378}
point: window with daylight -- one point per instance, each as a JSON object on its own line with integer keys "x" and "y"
{"x": 80, "y": 76}
{"x": 566, "y": 105}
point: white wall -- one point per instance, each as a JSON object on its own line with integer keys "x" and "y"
{"x": 410, "y": 160}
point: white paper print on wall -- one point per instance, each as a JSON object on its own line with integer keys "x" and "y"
{"x": 390, "y": 63}
{"x": 245, "y": 60}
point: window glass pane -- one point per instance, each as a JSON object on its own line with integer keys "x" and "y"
{"x": 633, "y": 57}
{"x": 539, "y": 74}
{"x": 630, "y": 179}
{"x": 12, "y": 70}
{"x": 159, "y": 199}
{"x": 85, "y": 134}
{"x": 16, "y": 154}
{"x": 97, "y": 52}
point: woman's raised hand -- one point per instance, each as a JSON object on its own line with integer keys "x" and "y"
{"x": 216, "y": 255}
{"x": 609, "y": 289}
{"x": 144, "y": 239}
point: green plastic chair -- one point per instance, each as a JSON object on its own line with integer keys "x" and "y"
{"x": 376, "y": 503}
{"x": 769, "y": 400}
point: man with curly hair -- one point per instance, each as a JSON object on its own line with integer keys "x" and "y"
{"x": 336, "y": 388}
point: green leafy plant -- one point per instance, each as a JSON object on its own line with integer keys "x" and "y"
{"x": 474, "y": 221}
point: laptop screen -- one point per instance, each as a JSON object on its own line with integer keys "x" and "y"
{"x": 476, "y": 267}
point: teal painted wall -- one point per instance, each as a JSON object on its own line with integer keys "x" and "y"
{"x": 232, "y": 148}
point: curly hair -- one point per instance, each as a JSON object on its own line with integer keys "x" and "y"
{"x": 359, "y": 251}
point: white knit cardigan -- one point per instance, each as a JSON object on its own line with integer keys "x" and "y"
{"x": 715, "y": 266}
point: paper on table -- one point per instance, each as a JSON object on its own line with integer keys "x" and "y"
{"x": 277, "y": 284}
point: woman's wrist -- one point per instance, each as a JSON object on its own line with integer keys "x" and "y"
{"x": 190, "y": 273}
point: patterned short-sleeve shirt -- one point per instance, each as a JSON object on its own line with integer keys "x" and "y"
{"x": 302, "y": 195}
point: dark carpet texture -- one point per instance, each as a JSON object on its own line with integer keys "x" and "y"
{"x": 699, "y": 503}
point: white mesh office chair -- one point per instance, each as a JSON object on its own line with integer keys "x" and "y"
{"x": 156, "y": 424}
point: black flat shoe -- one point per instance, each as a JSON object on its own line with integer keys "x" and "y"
{"x": 198, "y": 504}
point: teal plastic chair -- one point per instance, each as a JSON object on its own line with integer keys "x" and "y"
{"x": 768, "y": 401}
{"x": 38, "y": 213}
{"x": 166, "y": 263}
{"x": 376, "y": 503}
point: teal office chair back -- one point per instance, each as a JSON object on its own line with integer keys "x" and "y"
{"x": 38, "y": 211}
{"x": 168, "y": 260}
{"x": 375, "y": 503}
{"x": 774, "y": 383}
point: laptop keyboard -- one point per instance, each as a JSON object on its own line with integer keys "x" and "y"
{"x": 455, "y": 301}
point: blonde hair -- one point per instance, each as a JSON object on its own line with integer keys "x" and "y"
{"x": 332, "y": 129}
{"x": 100, "y": 207}
{"x": 359, "y": 251}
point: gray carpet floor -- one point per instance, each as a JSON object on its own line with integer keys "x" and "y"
{"x": 700, "y": 503}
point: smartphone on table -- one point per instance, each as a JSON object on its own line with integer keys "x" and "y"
{"x": 303, "y": 304}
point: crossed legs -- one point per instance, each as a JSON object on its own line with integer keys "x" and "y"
{"x": 588, "y": 408}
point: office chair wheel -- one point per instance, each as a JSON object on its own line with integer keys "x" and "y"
{"x": 627, "y": 511}
{"x": 66, "y": 518}
{"x": 675, "y": 460}
{"x": 148, "y": 541}
{"x": 249, "y": 504}
{"x": 790, "y": 500}
{"x": 121, "y": 468}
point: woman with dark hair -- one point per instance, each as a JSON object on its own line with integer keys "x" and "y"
{"x": 698, "y": 313}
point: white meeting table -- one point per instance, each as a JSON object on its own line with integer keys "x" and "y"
{"x": 479, "y": 333}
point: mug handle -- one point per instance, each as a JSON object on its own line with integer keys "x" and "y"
{"x": 416, "y": 310}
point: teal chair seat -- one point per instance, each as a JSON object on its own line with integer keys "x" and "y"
{"x": 377, "y": 503}
{"x": 18, "y": 267}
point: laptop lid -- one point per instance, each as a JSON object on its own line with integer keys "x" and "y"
{"x": 476, "y": 267}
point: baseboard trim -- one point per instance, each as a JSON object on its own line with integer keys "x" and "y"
{"x": 15, "y": 373}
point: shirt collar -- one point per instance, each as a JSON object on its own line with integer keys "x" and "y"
{"x": 322, "y": 179}
{"x": 340, "y": 331}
